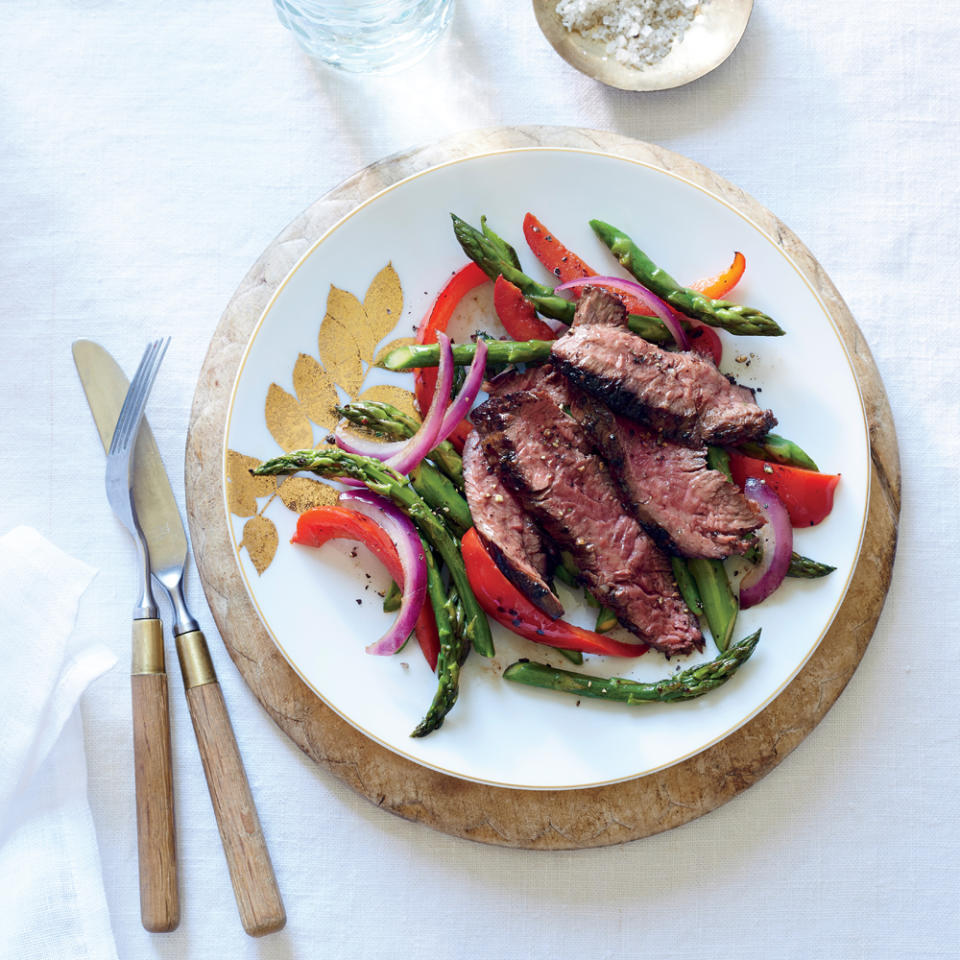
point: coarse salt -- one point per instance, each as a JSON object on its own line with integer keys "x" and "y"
{"x": 637, "y": 33}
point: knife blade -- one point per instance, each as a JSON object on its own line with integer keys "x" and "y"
{"x": 248, "y": 860}
{"x": 105, "y": 385}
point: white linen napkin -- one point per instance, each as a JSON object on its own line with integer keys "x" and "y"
{"x": 52, "y": 901}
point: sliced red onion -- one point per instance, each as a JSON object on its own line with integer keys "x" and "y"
{"x": 777, "y": 535}
{"x": 428, "y": 436}
{"x": 366, "y": 446}
{"x": 468, "y": 392}
{"x": 403, "y": 533}
{"x": 658, "y": 306}
{"x": 557, "y": 326}
{"x": 404, "y": 455}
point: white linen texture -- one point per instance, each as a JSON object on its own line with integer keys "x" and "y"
{"x": 52, "y": 901}
{"x": 149, "y": 153}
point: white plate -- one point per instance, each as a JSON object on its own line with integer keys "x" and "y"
{"x": 501, "y": 733}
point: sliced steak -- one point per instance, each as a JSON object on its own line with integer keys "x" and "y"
{"x": 683, "y": 395}
{"x": 546, "y": 458}
{"x": 688, "y": 508}
{"x": 543, "y": 380}
{"x": 509, "y": 533}
{"x": 599, "y": 308}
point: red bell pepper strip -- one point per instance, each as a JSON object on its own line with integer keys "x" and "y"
{"x": 707, "y": 339}
{"x": 719, "y": 286}
{"x": 561, "y": 262}
{"x": 425, "y": 378}
{"x": 501, "y": 600}
{"x": 317, "y": 526}
{"x": 807, "y": 495}
{"x": 518, "y": 316}
{"x": 565, "y": 265}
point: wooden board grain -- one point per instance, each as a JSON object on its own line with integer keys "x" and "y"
{"x": 566, "y": 819}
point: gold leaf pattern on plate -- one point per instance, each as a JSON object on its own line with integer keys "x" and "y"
{"x": 382, "y": 304}
{"x": 342, "y": 305}
{"x": 260, "y": 539}
{"x": 242, "y": 488}
{"x": 315, "y": 391}
{"x": 392, "y": 345}
{"x": 385, "y": 393}
{"x": 340, "y": 353}
{"x": 347, "y": 339}
{"x": 301, "y": 494}
{"x": 286, "y": 421}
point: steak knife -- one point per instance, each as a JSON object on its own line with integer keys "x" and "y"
{"x": 248, "y": 860}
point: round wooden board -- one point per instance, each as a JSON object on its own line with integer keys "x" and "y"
{"x": 546, "y": 820}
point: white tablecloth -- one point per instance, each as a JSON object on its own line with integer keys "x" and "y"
{"x": 148, "y": 154}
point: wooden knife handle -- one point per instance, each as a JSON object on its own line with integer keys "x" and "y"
{"x": 251, "y": 872}
{"x": 153, "y": 772}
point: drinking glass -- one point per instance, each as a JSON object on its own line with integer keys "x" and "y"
{"x": 365, "y": 36}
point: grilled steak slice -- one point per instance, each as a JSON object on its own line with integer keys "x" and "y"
{"x": 543, "y": 380}
{"x": 599, "y": 308}
{"x": 688, "y": 508}
{"x": 509, "y": 533}
{"x": 683, "y": 395}
{"x": 547, "y": 459}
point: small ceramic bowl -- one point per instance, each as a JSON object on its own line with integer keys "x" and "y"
{"x": 710, "y": 39}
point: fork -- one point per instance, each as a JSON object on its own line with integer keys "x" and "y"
{"x": 153, "y": 767}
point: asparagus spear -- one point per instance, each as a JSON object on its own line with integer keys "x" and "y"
{"x": 807, "y": 569}
{"x": 606, "y": 620}
{"x": 690, "y": 683}
{"x": 443, "y": 496}
{"x": 486, "y": 249}
{"x": 438, "y": 490}
{"x": 386, "y": 420}
{"x": 489, "y": 252}
{"x": 448, "y": 610}
{"x": 392, "y": 598}
{"x": 745, "y": 321}
{"x": 720, "y": 606}
{"x": 504, "y": 250}
{"x": 565, "y": 576}
{"x": 498, "y": 352}
{"x": 779, "y": 450}
{"x": 719, "y": 459}
{"x": 687, "y": 585}
{"x": 755, "y": 553}
{"x": 803, "y": 568}
{"x": 382, "y": 479}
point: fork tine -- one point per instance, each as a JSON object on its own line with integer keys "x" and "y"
{"x": 127, "y": 428}
{"x": 132, "y": 401}
{"x": 142, "y": 391}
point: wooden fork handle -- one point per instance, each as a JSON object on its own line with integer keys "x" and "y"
{"x": 248, "y": 860}
{"x": 153, "y": 773}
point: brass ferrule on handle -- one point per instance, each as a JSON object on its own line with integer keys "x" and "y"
{"x": 195, "y": 663}
{"x": 147, "y": 655}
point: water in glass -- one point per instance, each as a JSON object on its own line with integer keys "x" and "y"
{"x": 365, "y": 36}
